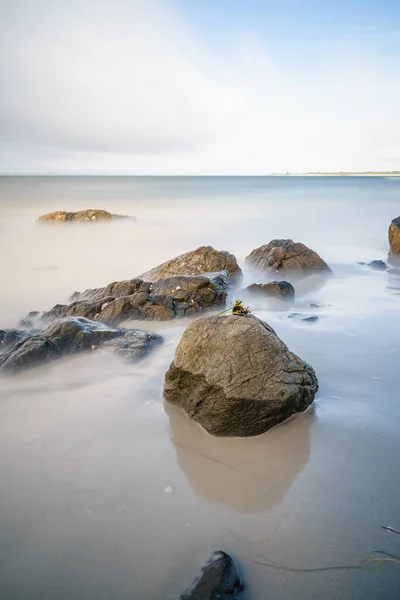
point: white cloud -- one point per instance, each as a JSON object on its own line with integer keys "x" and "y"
{"x": 128, "y": 87}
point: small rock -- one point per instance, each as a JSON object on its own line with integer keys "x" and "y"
{"x": 219, "y": 580}
{"x": 281, "y": 290}
{"x": 310, "y": 319}
{"x": 377, "y": 265}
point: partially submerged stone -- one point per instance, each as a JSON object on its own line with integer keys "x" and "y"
{"x": 288, "y": 258}
{"x": 394, "y": 238}
{"x": 71, "y": 335}
{"x": 235, "y": 377}
{"x": 219, "y": 580}
{"x": 178, "y": 296}
{"x": 61, "y": 216}
{"x": 377, "y": 265}
{"x": 280, "y": 290}
{"x": 202, "y": 261}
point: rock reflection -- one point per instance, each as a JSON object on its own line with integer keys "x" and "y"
{"x": 249, "y": 474}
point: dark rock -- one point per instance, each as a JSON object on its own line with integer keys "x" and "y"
{"x": 235, "y": 377}
{"x": 73, "y": 334}
{"x": 91, "y": 215}
{"x": 9, "y": 338}
{"x": 219, "y": 580}
{"x": 311, "y": 319}
{"x": 361, "y": 263}
{"x": 202, "y": 261}
{"x": 282, "y": 290}
{"x": 301, "y": 317}
{"x": 30, "y": 320}
{"x": 377, "y": 265}
{"x": 394, "y": 238}
{"x": 181, "y": 295}
{"x": 314, "y": 305}
{"x": 292, "y": 259}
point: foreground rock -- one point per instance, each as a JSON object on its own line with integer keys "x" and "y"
{"x": 178, "y": 296}
{"x": 287, "y": 258}
{"x": 235, "y": 376}
{"x": 60, "y": 216}
{"x": 394, "y": 238}
{"x": 219, "y": 580}
{"x": 281, "y": 290}
{"x": 202, "y": 261}
{"x": 69, "y": 336}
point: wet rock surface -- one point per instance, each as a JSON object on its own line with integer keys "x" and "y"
{"x": 178, "y": 296}
{"x": 281, "y": 290}
{"x": 235, "y": 377}
{"x": 68, "y": 336}
{"x": 394, "y": 238}
{"x": 288, "y": 258}
{"x": 202, "y": 261}
{"x": 61, "y": 216}
{"x": 377, "y": 265}
{"x": 219, "y": 580}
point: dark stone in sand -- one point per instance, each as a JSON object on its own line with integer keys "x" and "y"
{"x": 377, "y": 265}
{"x": 219, "y": 580}
{"x": 288, "y": 258}
{"x": 91, "y": 215}
{"x": 394, "y": 238}
{"x": 202, "y": 261}
{"x": 234, "y": 376}
{"x": 177, "y": 296}
{"x": 281, "y": 290}
{"x": 73, "y": 334}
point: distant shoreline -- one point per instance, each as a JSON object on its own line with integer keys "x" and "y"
{"x": 341, "y": 174}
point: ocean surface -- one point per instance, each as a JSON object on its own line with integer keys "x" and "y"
{"x": 108, "y": 494}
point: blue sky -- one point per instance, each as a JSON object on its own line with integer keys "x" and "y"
{"x": 198, "y": 86}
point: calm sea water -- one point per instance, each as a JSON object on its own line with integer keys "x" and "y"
{"x": 107, "y": 493}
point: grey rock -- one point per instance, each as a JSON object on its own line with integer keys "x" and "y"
{"x": 219, "y": 580}
{"x": 288, "y": 258}
{"x": 377, "y": 265}
{"x": 281, "y": 290}
{"x": 312, "y": 319}
{"x": 202, "y": 261}
{"x": 71, "y": 335}
{"x": 235, "y": 377}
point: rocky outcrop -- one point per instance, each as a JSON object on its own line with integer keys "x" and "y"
{"x": 69, "y": 336}
{"x": 234, "y": 376}
{"x": 202, "y": 261}
{"x": 394, "y": 238}
{"x": 288, "y": 258}
{"x": 280, "y": 290}
{"x": 182, "y": 295}
{"x": 61, "y": 216}
{"x": 219, "y": 579}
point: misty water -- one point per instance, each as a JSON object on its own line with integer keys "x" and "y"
{"x": 107, "y": 493}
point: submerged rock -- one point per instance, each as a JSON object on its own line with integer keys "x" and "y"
{"x": 219, "y": 580}
{"x": 377, "y": 265}
{"x": 288, "y": 258}
{"x": 394, "y": 238}
{"x": 281, "y": 290}
{"x": 73, "y": 334}
{"x": 202, "y": 261}
{"x": 177, "y": 296}
{"x": 235, "y": 377}
{"x": 61, "y": 216}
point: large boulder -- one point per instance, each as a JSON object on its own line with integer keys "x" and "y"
{"x": 219, "y": 580}
{"x": 234, "y": 376}
{"x": 178, "y": 296}
{"x": 280, "y": 290}
{"x": 202, "y": 261}
{"x": 394, "y": 238}
{"x": 288, "y": 258}
{"x": 61, "y": 216}
{"x": 71, "y": 335}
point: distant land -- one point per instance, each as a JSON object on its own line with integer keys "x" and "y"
{"x": 340, "y": 174}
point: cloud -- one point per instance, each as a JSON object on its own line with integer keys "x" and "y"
{"x": 130, "y": 87}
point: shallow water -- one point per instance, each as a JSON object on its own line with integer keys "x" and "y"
{"x": 107, "y": 493}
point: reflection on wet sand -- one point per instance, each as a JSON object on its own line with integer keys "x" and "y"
{"x": 249, "y": 474}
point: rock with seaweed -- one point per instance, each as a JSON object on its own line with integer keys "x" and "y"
{"x": 202, "y": 261}
{"x": 90, "y": 215}
{"x": 70, "y": 335}
{"x": 219, "y": 579}
{"x": 234, "y": 376}
{"x": 286, "y": 257}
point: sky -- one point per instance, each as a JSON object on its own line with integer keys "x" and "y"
{"x": 199, "y": 87}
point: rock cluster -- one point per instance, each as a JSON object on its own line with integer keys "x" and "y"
{"x": 61, "y": 216}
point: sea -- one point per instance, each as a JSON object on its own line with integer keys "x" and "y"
{"x": 107, "y": 493}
